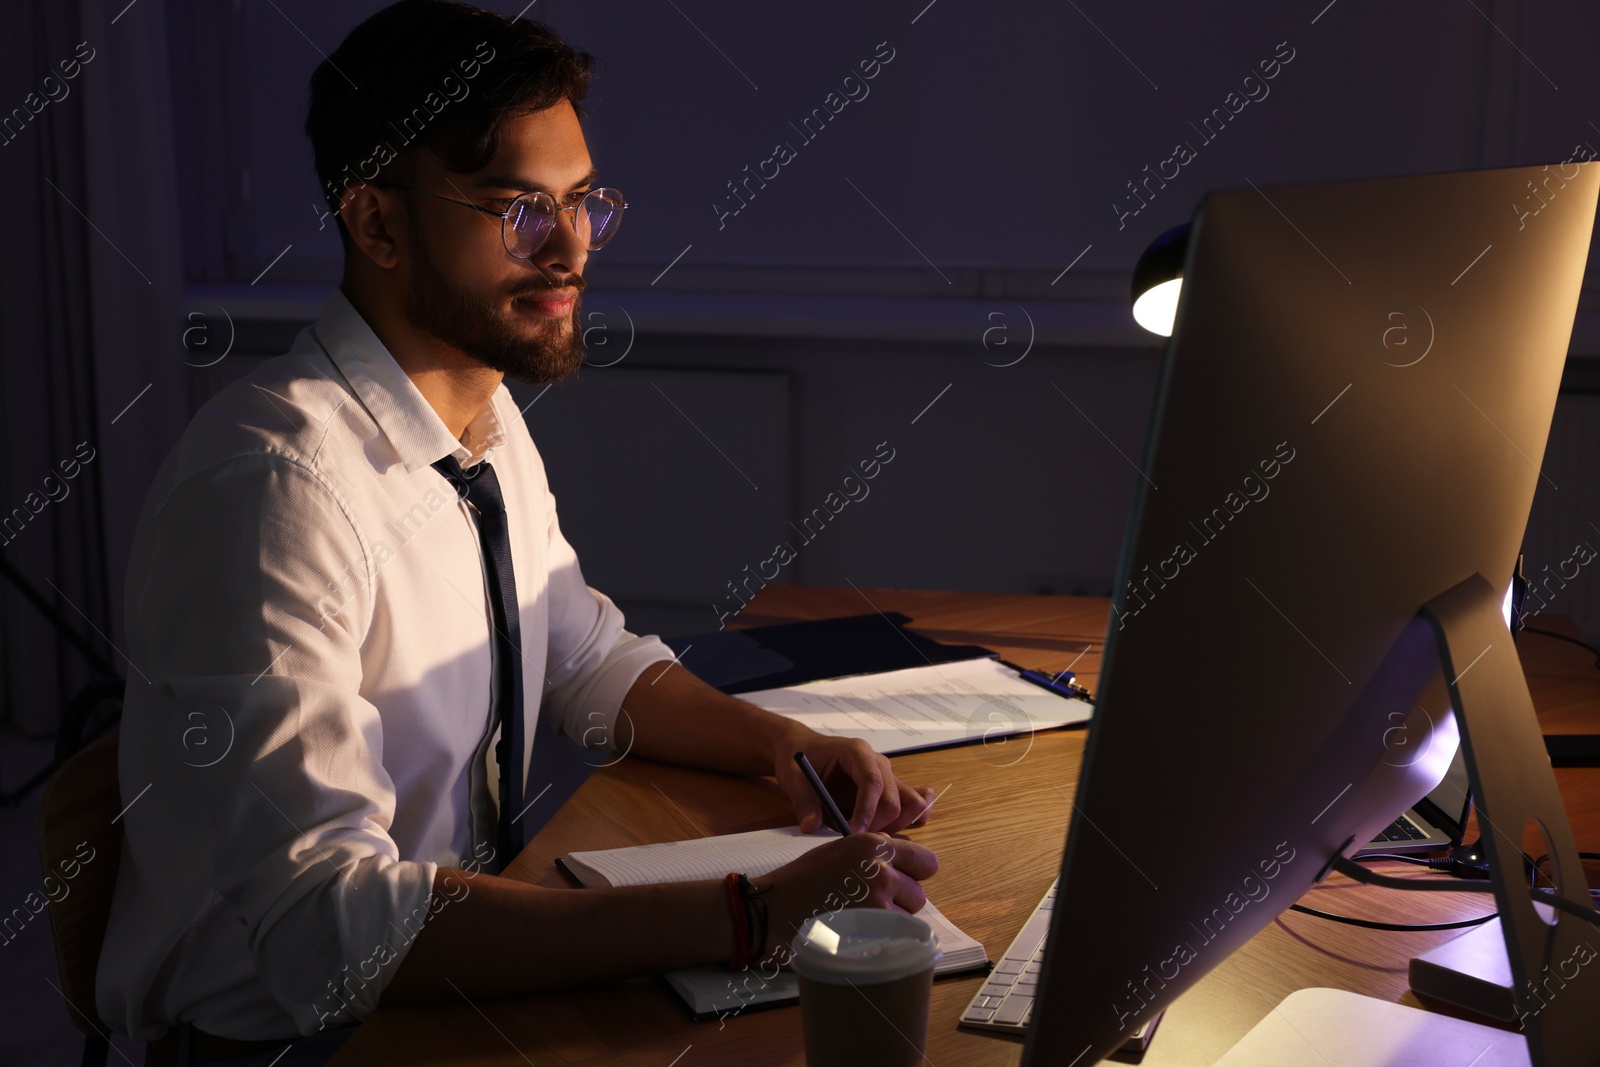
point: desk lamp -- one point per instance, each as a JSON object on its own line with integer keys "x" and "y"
{"x": 1157, "y": 278}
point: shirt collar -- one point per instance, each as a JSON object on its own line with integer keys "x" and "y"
{"x": 415, "y": 431}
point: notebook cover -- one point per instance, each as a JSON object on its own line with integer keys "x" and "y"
{"x": 982, "y": 968}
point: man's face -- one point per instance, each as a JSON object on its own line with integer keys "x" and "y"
{"x": 517, "y": 316}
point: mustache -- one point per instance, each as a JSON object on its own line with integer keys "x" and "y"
{"x": 571, "y": 281}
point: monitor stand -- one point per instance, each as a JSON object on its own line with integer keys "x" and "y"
{"x": 1337, "y": 1028}
{"x": 1471, "y": 972}
{"x": 1555, "y": 997}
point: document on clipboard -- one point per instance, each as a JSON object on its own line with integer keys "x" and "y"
{"x": 914, "y": 708}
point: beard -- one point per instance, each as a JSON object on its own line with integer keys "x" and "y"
{"x": 535, "y": 351}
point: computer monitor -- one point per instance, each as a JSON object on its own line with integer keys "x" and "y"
{"x": 1347, "y": 429}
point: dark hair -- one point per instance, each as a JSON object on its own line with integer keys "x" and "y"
{"x": 434, "y": 73}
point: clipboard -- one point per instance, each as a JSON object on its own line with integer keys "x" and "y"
{"x": 770, "y": 657}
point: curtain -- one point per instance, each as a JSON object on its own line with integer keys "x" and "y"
{"x": 92, "y": 393}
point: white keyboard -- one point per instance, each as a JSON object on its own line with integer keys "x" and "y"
{"x": 1005, "y": 1002}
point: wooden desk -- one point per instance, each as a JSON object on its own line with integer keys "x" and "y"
{"x": 991, "y": 874}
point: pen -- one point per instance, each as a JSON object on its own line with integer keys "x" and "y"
{"x": 829, "y": 808}
{"x": 1059, "y": 683}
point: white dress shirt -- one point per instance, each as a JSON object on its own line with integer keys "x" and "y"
{"x": 306, "y": 736}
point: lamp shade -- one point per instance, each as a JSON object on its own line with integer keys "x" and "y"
{"x": 1157, "y": 279}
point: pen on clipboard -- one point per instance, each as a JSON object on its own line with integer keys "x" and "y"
{"x": 1060, "y": 684}
{"x": 829, "y": 808}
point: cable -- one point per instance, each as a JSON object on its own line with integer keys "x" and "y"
{"x": 1418, "y": 860}
{"x": 1426, "y": 885}
{"x": 1563, "y": 637}
{"x": 1534, "y": 865}
{"x": 1373, "y": 924}
{"x": 1467, "y": 861}
{"x": 1453, "y": 864}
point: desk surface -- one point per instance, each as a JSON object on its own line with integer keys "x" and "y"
{"x": 990, "y": 876}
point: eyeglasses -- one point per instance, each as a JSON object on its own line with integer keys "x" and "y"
{"x": 530, "y": 219}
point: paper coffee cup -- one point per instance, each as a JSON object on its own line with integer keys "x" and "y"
{"x": 866, "y": 975}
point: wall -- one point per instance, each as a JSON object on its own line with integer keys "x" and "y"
{"x": 960, "y": 235}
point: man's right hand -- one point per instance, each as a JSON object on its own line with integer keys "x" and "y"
{"x": 869, "y": 870}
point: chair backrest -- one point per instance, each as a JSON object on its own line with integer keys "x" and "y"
{"x": 80, "y": 848}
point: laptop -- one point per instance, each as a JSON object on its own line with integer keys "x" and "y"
{"x": 1435, "y": 823}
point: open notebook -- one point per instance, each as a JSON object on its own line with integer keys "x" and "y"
{"x": 718, "y": 989}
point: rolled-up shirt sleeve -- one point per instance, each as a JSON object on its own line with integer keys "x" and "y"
{"x": 255, "y": 609}
{"x": 594, "y": 658}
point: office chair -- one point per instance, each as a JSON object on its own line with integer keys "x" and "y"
{"x": 76, "y": 808}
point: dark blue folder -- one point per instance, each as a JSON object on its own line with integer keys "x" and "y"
{"x": 767, "y": 657}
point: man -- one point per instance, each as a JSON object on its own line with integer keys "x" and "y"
{"x": 308, "y": 750}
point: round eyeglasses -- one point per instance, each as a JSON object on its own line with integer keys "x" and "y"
{"x": 529, "y": 220}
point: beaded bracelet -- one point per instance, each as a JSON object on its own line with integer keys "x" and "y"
{"x": 741, "y": 927}
{"x": 757, "y": 918}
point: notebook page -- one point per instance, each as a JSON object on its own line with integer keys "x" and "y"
{"x": 719, "y": 989}
{"x": 756, "y": 852}
{"x": 959, "y": 948}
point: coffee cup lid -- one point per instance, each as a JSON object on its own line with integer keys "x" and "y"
{"x": 856, "y": 945}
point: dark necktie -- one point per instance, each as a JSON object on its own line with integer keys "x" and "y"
{"x": 482, "y": 491}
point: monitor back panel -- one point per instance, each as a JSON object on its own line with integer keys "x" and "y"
{"x": 1349, "y": 421}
